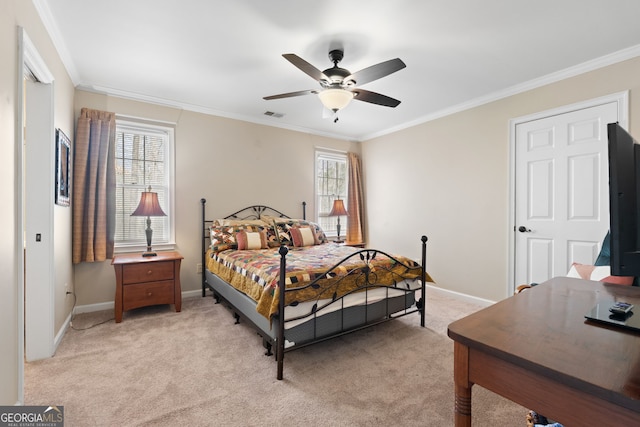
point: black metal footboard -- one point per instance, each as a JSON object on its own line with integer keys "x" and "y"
{"x": 328, "y": 289}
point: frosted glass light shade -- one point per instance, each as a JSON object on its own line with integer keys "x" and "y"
{"x": 335, "y": 99}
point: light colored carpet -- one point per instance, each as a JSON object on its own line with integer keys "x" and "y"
{"x": 196, "y": 368}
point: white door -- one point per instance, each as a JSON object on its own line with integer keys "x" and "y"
{"x": 561, "y": 191}
{"x": 38, "y": 198}
{"x": 35, "y": 181}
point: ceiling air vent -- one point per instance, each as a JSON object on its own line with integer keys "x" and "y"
{"x": 272, "y": 114}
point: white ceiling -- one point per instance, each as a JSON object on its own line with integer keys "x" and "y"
{"x": 222, "y": 57}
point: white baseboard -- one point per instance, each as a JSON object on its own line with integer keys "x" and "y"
{"x": 192, "y": 294}
{"x": 90, "y": 308}
{"x": 101, "y": 306}
{"x": 460, "y": 296}
{"x": 61, "y": 332}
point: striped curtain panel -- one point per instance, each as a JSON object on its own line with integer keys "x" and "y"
{"x": 355, "y": 200}
{"x": 94, "y": 185}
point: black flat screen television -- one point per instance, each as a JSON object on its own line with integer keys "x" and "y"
{"x": 624, "y": 196}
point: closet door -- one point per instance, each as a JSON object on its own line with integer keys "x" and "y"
{"x": 561, "y": 191}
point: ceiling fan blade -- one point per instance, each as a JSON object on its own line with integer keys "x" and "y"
{"x": 305, "y": 66}
{"x": 290, "y": 94}
{"x": 374, "y": 98}
{"x": 375, "y": 72}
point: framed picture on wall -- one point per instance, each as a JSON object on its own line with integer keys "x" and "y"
{"x": 63, "y": 168}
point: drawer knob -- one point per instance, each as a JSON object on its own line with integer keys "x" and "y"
{"x": 149, "y": 272}
{"x": 149, "y": 294}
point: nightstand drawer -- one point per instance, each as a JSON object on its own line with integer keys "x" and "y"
{"x": 147, "y": 272}
{"x": 150, "y": 293}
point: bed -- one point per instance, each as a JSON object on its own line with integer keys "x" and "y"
{"x": 328, "y": 289}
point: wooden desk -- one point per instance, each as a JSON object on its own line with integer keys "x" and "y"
{"x": 537, "y": 349}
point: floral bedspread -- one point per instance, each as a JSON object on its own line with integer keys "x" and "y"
{"x": 256, "y": 273}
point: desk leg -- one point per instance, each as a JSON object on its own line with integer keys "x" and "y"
{"x": 462, "y": 385}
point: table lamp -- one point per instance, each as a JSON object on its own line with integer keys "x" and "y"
{"x": 338, "y": 210}
{"x": 149, "y": 206}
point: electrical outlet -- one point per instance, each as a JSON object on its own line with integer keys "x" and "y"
{"x": 67, "y": 289}
{"x": 198, "y": 268}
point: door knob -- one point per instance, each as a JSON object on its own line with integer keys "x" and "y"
{"x": 524, "y": 229}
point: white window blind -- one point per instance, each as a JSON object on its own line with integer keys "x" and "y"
{"x": 331, "y": 183}
{"x": 142, "y": 160}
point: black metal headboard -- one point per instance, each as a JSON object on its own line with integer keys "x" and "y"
{"x": 255, "y": 212}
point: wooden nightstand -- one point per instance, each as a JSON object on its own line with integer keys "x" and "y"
{"x": 143, "y": 281}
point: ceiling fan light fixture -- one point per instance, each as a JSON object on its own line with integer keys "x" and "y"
{"x": 335, "y": 99}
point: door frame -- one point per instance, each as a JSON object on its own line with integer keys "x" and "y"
{"x": 622, "y": 100}
{"x": 41, "y": 320}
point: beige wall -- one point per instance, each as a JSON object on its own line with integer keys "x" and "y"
{"x": 449, "y": 179}
{"x": 232, "y": 164}
{"x": 63, "y": 269}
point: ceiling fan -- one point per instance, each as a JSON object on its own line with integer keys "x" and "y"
{"x": 339, "y": 86}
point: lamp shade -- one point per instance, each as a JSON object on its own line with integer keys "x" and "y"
{"x": 335, "y": 99}
{"x": 338, "y": 208}
{"x": 149, "y": 205}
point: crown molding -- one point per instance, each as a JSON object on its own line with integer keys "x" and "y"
{"x": 42, "y": 7}
{"x": 585, "y": 67}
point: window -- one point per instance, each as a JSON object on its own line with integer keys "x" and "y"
{"x": 331, "y": 183}
{"x": 144, "y": 158}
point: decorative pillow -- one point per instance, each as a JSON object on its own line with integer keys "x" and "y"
{"x": 223, "y": 237}
{"x": 303, "y": 236}
{"x": 276, "y": 231}
{"x": 283, "y": 231}
{"x": 320, "y": 236}
{"x": 283, "y": 234}
{"x": 251, "y": 240}
{"x": 277, "y": 219}
{"x": 597, "y": 273}
{"x": 272, "y": 236}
